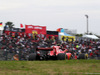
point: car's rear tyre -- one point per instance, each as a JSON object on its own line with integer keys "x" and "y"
{"x": 32, "y": 57}
{"x": 82, "y": 56}
{"x": 61, "y": 56}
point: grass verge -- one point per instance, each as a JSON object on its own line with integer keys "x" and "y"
{"x": 65, "y": 67}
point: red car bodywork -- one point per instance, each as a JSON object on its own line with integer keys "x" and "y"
{"x": 54, "y": 51}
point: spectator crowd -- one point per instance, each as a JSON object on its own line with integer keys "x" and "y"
{"x": 23, "y": 46}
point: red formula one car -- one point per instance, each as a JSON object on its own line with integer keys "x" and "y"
{"x": 46, "y": 53}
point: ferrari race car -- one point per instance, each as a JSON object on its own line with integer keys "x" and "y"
{"x": 46, "y": 53}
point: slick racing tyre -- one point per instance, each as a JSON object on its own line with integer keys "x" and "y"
{"x": 32, "y": 57}
{"x": 61, "y": 56}
{"x": 82, "y": 56}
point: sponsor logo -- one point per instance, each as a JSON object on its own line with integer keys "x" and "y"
{"x": 30, "y": 27}
{"x": 34, "y": 32}
{"x": 37, "y": 27}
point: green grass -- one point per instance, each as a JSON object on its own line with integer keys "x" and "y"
{"x": 65, "y": 67}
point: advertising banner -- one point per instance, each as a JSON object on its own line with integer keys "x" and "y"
{"x": 69, "y": 38}
{"x": 35, "y": 29}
